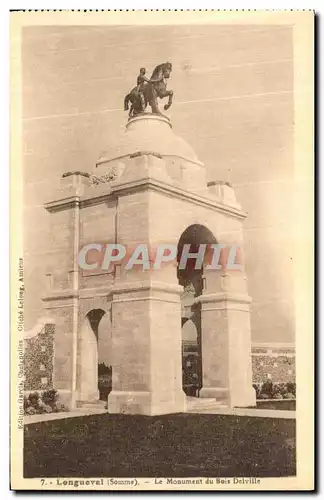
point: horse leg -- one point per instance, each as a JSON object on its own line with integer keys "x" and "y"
{"x": 168, "y": 93}
{"x": 131, "y": 111}
{"x": 142, "y": 101}
{"x": 154, "y": 106}
{"x": 151, "y": 97}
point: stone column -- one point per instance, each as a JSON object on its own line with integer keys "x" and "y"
{"x": 226, "y": 339}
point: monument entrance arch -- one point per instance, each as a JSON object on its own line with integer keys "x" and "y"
{"x": 192, "y": 281}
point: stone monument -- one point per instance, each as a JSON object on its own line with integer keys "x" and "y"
{"x": 149, "y": 188}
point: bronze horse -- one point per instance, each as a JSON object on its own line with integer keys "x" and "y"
{"x": 153, "y": 88}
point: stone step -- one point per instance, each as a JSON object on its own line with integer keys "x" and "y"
{"x": 202, "y": 404}
{"x": 193, "y": 404}
{"x": 192, "y": 401}
{"x": 92, "y": 404}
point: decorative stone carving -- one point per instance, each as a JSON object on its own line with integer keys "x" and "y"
{"x": 108, "y": 177}
{"x": 95, "y": 179}
{"x": 76, "y": 172}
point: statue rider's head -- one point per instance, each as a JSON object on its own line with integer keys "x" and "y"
{"x": 142, "y": 71}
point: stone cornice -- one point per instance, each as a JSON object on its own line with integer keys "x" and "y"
{"x": 224, "y": 297}
{"x": 74, "y": 201}
{"x": 62, "y": 204}
{"x": 124, "y": 188}
{"x": 176, "y": 192}
{"x": 89, "y": 293}
{"x": 82, "y": 293}
{"x": 61, "y": 295}
{"x": 117, "y": 288}
{"x": 139, "y": 152}
{"x": 96, "y": 200}
{"x": 137, "y": 286}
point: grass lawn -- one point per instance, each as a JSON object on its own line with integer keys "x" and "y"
{"x": 179, "y": 445}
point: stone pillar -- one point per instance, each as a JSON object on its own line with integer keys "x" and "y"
{"x": 146, "y": 308}
{"x": 62, "y": 297}
{"x": 88, "y": 363}
{"x": 147, "y": 375}
{"x": 62, "y": 308}
{"x": 226, "y": 339}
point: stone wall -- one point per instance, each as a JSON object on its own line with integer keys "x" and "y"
{"x": 39, "y": 359}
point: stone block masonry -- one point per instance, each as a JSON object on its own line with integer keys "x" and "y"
{"x": 38, "y": 359}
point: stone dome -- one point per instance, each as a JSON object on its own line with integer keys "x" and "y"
{"x": 149, "y": 133}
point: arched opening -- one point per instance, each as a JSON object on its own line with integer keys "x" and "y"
{"x": 191, "y": 381}
{"x": 192, "y": 281}
{"x": 95, "y": 356}
{"x": 104, "y": 357}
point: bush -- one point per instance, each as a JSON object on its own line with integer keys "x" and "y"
{"x": 50, "y": 397}
{"x": 289, "y": 395}
{"x": 40, "y": 407}
{"x": 291, "y": 387}
{"x": 59, "y": 407}
{"x": 257, "y": 389}
{"x": 30, "y": 410}
{"x": 47, "y": 409}
{"x": 268, "y": 389}
{"x": 281, "y": 388}
{"x": 34, "y": 399}
{"x": 47, "y": 403}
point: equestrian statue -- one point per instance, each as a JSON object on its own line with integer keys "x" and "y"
{"x": 148, "y": 90}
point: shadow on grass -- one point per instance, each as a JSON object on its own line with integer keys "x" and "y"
{"x": 179, "y": 445}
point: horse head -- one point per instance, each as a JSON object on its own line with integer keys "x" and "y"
{"x": 166, "y": 69}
